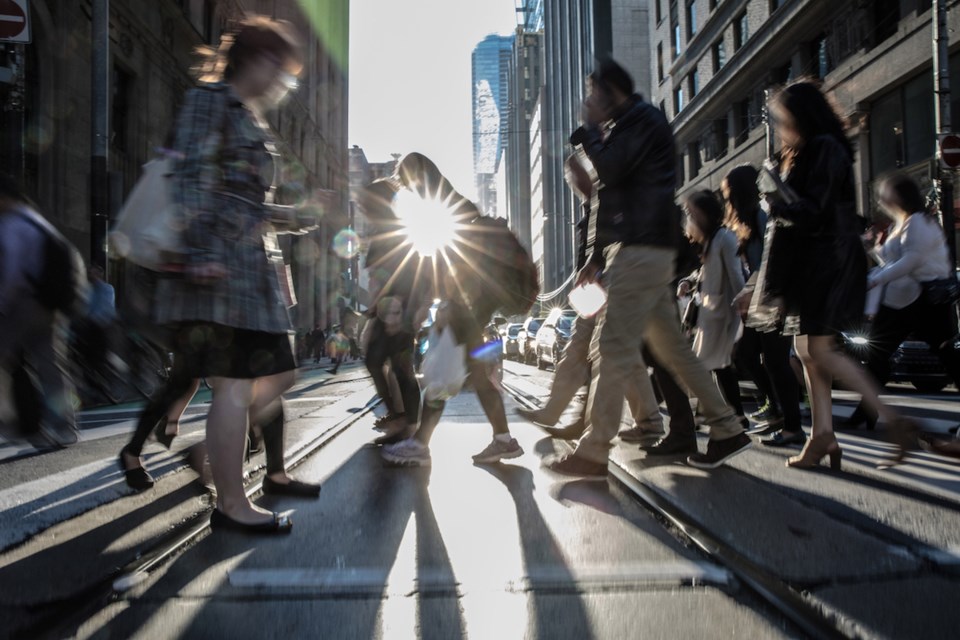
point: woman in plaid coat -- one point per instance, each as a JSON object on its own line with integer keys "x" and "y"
{"x": 229, "y": 310}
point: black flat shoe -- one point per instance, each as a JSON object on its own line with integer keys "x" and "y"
{"x": 160, "y": 433}
{"x": 293, "y": 488}
{"x": 671, "y": 447}
{"x": 137, "y": 478}
{"x": 280, "y": 524}
{"x": 784, "y": 438}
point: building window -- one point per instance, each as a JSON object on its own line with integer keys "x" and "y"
{"x": 886, "y": 17}
{"x": 742, "y": 120}
{"x": 713, "y": 4}
{"x": 693, "y": 150}
{"x": 677, "y": 100}
{"x": 663, "y": 107}
{"x": 659, "y": 10}
{"x": 691, "y": 18}
{"x": 821, "y": 60}
{"x": 675, "y": 35}
{"x": 720, "y": 135}
{"x": 681, "y": 169}
{"x": 776, "y": 4}
{"x": 693, "y": 83}
{"x": 120, "y": 107}
{"x": 741, "y": 31}
{"x": 719, "y": 55}
{"x": 660, "y": 61}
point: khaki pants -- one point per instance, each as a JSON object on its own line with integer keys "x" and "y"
{"x": 573, "y": 371}
{"x": 641, "y": 309}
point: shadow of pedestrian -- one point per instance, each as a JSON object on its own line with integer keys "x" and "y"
{"x": 555, "y": 594}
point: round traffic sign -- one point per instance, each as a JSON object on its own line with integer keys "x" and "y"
{"x": 12, "y": 19}
{"x": 950, "y": 151}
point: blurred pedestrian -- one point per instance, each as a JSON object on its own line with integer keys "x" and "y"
{"x": 763, "y": 355}
{"x": 573, "y": 369}
{"x": 42, "y": 286}
{"x": 229, "y": 311}
{"x": 820, "y": 275}
{"x": 718, "y": 281}
{"x": 913, "y": 256}
{"x": 480, "y": 271}
{"x": 631, "y": 146}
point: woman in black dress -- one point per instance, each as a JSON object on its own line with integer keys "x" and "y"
{"x": 823, "y": 280}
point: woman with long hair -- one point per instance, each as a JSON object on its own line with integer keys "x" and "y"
{"x": 824, "y": 289}
{"x": 764, "y": 355}
{"x": 718, "y": 282}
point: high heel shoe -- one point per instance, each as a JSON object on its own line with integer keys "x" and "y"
{"x": 904, "y": 433}
{"x": 816, "y": 450}
{"x": 160, "y": 433}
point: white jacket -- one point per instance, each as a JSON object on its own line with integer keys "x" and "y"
{"x": 915, "y": 252}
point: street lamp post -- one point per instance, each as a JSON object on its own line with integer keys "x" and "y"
{"x": 941, "y": 84}
{"x": 100, "y": 131}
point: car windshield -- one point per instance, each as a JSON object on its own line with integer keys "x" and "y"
{"x": 565, "y": 324}
{"x": 534, "y": 326}
{"x": 513, "y": 330}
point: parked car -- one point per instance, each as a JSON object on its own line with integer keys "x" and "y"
{"x": 527, "y": 339}
{"x": 912, "y": 362}
{"x": 553, "y": 337}
{"x": 508, "y": 335}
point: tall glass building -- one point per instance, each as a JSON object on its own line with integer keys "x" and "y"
{"x": 491, "y": 64}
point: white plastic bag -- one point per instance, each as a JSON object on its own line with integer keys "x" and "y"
{"x": 444, "y": 366}
{"x": 148, "y": 229}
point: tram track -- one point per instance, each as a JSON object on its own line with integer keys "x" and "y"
{"x": 812, "y": 619}
{"x": 70, "y": 613}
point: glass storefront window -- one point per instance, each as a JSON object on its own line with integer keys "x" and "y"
{"x": 918, "y": 115}
{"x": 886, "y": 134}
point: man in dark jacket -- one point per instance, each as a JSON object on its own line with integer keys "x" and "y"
{"x": 631, "y": 147}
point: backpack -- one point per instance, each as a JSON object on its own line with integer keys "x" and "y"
{"x": 61, "y": 283}
{"x": 511, "y": 276}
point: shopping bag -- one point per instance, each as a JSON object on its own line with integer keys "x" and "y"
{"x": 444, "y": 366}
{"x": 148, "y": 230}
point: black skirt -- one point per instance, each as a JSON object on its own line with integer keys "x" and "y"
{"x": 206, "y": 349}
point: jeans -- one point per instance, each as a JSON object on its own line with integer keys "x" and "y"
{"x": 641, "y": 310}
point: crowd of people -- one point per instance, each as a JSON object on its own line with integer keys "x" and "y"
{"x": 775, "y": 264}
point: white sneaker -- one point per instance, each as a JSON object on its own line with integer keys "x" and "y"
{"x": 407, "y": 453}
{"x": 498, "y": 450}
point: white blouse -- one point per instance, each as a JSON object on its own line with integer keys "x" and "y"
{"x": 915, "y": 252}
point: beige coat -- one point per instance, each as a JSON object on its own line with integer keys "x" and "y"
{"x": 718, "y": 324}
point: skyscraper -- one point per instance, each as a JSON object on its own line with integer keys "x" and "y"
{"x": 491, "y": 60}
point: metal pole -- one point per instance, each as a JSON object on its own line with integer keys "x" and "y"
{"x": 941, "y": 86}
{"x": 100, "y": 131}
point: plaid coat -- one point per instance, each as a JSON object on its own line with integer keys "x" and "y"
{"x": 224, "y": 166}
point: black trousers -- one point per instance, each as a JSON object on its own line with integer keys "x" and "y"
{"x": 930, "y": 323}
{"x": 766, "y": 358}
{"x": 398, "y": 349}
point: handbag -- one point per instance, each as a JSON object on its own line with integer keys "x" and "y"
{"x": 444, "y": 366}
{"x": 941, "y": 291}
{"x": 148, "y": 230}
{"x": 691, "y": 313}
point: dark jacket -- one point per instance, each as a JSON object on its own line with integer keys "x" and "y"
{"x": 636, "y": 165}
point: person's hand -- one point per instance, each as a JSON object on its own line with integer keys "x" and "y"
{"x": 742, "y": 301}
{"x": 590, "y": 273}
{"x": 206, "y": 272}
{"x": 683, "y": 289}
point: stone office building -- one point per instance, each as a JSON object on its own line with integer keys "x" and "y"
{"x": 712, "y": 60}
{"x": 46, "y": 112}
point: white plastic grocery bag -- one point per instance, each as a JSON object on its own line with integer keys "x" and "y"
{"x": 444, "y": 366}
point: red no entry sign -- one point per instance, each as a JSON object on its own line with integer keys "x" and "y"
{"x": 14, "y": 21}
{"x": 950, "y": 150}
